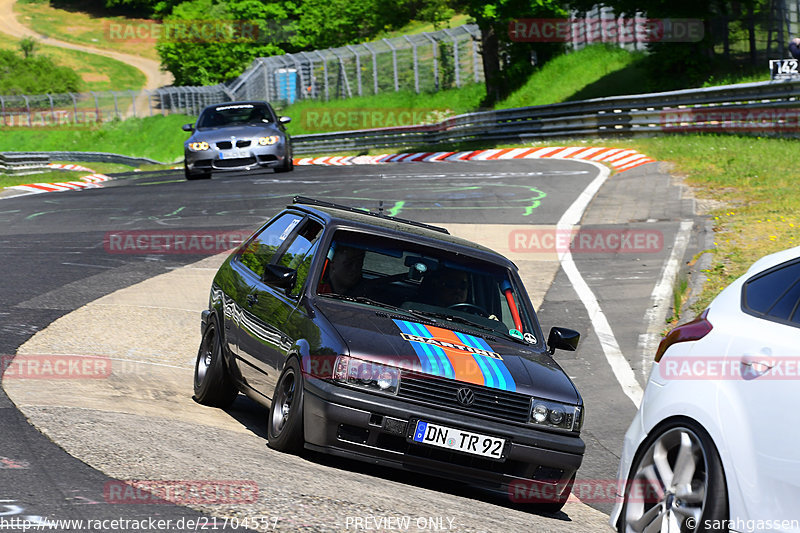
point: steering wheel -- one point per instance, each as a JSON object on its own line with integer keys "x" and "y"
{"x": 470, "y": 308}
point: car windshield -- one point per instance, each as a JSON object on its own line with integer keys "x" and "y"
{"x": 427, "y": 281}
{"x": 233, "y": 115}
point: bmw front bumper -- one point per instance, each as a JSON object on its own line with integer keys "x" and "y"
{"x": 237, "y": 159}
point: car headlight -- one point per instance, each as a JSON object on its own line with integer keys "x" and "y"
{"x": 199, "y": 146}
{"x": 556, "y": 415}
{"x": 366, "y": 375}
{"x": 266, "y": 141}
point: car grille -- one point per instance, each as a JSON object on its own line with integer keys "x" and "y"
{"x": 241, "y": 143}
{"x": 493, "y": 403}
{"x": 231, "y": 163}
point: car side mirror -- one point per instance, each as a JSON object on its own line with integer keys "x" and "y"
{"x": 279, "y": 276}
{"x": 284, "y": 120}
{"x": 188, "y": 127}
{"x": 563, "y": 339}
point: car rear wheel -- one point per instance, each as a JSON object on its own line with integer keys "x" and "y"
{"x": 285, "y": 422}
{"x": 202, "y": 175}
{"x": 676, "y": 484}
{"x": 212, "y": 384}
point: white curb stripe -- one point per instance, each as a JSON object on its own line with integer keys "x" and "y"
{"x": 619, "y": 365}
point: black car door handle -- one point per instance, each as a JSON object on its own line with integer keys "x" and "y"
{"x": 252, "y": 299}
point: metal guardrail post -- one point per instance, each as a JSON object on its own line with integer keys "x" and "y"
{"x": 116, "y": 105}
{"x": 343, "y": 74}
{"x": 324, "y": 74}
{"x": 416, "y": 65}
{"x": 434, "y": 50}
{"x": 394, "y": 64}
{"x": 456, "y": 65}
{"x": 374, "y": 67}
{"x": 300, "y": 75}
{"x": 358, "y": 69}
{"x": 475, "y": 60}
{"x": 133, "y": 103}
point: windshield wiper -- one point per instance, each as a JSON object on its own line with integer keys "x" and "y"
{"x": 452, "y": 318}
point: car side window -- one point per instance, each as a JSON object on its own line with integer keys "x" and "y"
{"x": 300, "y": 253}
{"x": 775, "y": 294}
{"x": 261, "y": 249}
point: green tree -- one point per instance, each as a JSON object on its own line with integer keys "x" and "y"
{"x": 28, "y": 46}
{"x": 204, "y": 42}
{"x": 506, "y": 63}
{"x": 35, "y": 75}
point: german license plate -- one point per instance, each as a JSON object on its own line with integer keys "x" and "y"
{"x": 234, "y": 154}
{"x": 459, "y": 440}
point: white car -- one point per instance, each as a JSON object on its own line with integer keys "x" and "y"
{"x": 714, "y": 445}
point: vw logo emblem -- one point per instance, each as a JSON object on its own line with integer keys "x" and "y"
{"x": 465, "y": 396}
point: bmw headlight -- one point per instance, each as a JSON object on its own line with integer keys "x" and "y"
{"x": 366, "y": 375}
{"x": 198, "y": 146}
{"x": 559, "y": 415}
{"x": 266, "y": 141}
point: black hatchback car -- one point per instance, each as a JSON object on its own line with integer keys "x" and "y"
{"x": 390, "y": 341}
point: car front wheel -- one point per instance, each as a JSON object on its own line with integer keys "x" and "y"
{"x": 285, "y": 422}
{"x": 212, "y": 384}
{"x": 287, "y": 166}
{"x": 202, "y": 175}
{"x": 677, "y": 483}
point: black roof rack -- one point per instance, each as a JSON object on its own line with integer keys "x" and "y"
{"x": 321, "y": 203}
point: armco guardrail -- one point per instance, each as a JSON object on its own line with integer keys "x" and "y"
{"x": 24, "y": 163}
{"x": 769, "y": 108}
{"x": 101, "y": 157}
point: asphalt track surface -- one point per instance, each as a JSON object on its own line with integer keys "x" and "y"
{"x": 54, "y": 262}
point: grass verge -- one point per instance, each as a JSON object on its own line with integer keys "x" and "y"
{"x": 159, "y": 138}
{"x": 97, "y": 72}
{"x": 87, "y": 23}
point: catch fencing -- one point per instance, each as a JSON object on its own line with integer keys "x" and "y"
{"x": 764, "y": 109}
{"x": 425, "y": 62}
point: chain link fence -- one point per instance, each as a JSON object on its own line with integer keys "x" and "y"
{"x": 424, "y": 62}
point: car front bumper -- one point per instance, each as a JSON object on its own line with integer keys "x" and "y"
{"x": 370, "y": 427}
{"x": 243, "y": 159}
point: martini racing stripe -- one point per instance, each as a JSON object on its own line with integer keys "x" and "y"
{"x": 432, "y": 358}
{"x": 497, "y": 375}
{"x": 455, "y": 355}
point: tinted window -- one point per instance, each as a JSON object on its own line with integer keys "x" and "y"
{"x": 775, "y": 293}
{"x": 786, "y": 303}
{"x": 300, "y": 253}
{"x": 425, "y": 279}
{"x": 261, "y": 249}
{"x": 232, "y": 115}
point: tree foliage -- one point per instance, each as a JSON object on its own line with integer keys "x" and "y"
{"x": 35, "y": 74}
{"x": 506, "y": 63}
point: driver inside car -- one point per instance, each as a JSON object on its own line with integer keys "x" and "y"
{"x": 343, "y": 271}
{"x": 446, "y": 287}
